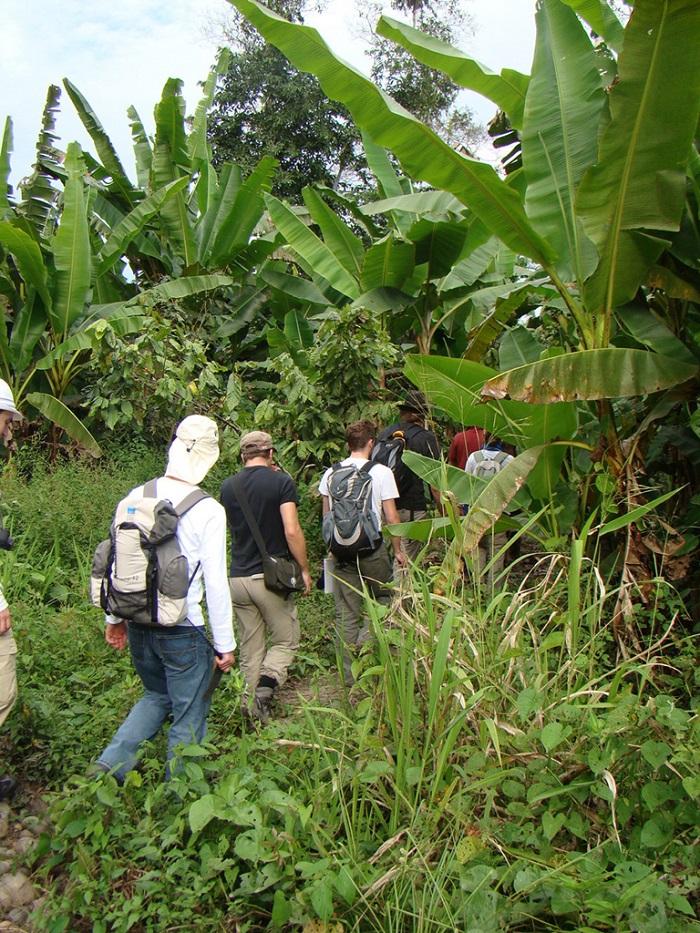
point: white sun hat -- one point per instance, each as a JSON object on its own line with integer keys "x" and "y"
{"x": 7, "y": 402}
{"x": 195, "y": 449}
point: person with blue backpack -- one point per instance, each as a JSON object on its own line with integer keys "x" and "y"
{"x": 357, "y": 496}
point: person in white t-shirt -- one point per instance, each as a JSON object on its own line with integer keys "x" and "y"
{"x": 374, "y": 570}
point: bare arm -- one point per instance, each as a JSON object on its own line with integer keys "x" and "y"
{"x": 5, "y": 621}
{"x": 296, "y": 541}
{"x": 391, "y": 515}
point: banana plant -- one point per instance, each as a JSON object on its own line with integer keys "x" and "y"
{"x": 603, "y": 207}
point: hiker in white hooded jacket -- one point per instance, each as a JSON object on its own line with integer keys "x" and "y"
{"x": 373, "y": 570}
{"x": 176, "y": 663}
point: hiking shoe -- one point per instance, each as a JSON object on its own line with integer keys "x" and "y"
{"x": 8, "y": 786}
{"x": 260, "y": 710}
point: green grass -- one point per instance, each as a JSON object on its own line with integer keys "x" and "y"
{"x": 497, "y": 767}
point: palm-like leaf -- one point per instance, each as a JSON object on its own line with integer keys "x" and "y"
{"x": 423, "y": 154}
{"x": 319, "y": 260}
{"x": 601, "y": 19}
{"x": 105, "y": 150}
{"x": 143, "y": 154}
{"x": 56, "y": 411}
{"x": 71, "y": 250}
{"x": 5, "y": 150}
{"x": 564, "y": 103}
{"x": 590, "y": 374}
{"x": 506, "y": 90}
{"x": 639, "y": 182}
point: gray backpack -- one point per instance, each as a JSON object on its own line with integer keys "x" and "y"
{"x": 139, "y": 573}
{"x": 488, "y": 467}
{"x": 350, "y": 527}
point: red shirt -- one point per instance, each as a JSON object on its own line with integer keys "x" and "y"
{"x": 463, "y": 444}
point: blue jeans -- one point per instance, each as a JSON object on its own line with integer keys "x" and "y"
{"x": 175, "y": 665}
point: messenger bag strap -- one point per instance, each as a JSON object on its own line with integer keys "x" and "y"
{"x": 237, "y": 490}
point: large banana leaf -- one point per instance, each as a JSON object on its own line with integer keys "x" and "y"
{"x": 221, "y": 202}
{"x": 184, "y": 287}
{"x": 134, "y": 223}
{"x": 438, "y": 244}
{"x": 236, "y": 226}
{"x": 5, "y": 150}
{"x": 560, "y": 134}
{"x": 30, "y": 263}
{"x": 485, "y": 511}
{"x": 639, "y": 181}
{"x": 418, "y": 202}
{"x": 423, "y": 154}
{"x": 90, "y": 337}
{"x": 506, "y": 90}
{"x": 590, "y": 375}
{"x": 389, "y": 184}
{"x": 601, "y": 19}
{"x": 143, "y": 154}
{"x": 650, "y": 330}
{"x": 293, "y": 285}
{"x": 38, "y": 194}
{"x": 171, "y": 162}
{"x": 197, "y": 146}
{"x": 71, "y": 250}
{"x": 388, "y": 263}
{"x": 105, "y": 150}
{"x": 28, "y": 329}
{"x": 337, "y": 236}
{"x": 319, "y": 259}
{"x": 456, "y": 386}
{"x": 56, "y": 411}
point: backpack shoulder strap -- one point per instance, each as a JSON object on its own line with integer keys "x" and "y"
{"x": 192, "y": 499}
{"x": 501, "y": 456}
{"x": 149, "y": 489}
{"x": 479, "y": 456}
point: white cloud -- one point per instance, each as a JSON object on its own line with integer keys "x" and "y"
{"x": 121, "y": 53}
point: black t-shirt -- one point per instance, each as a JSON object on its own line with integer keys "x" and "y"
{"x": 422, "y": 441}
{"x": 266, "y": 490}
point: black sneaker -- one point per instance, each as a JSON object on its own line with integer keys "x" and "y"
{"x": 7, "y": 787}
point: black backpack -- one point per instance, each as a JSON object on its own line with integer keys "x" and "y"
{"x": 390, "y": 452}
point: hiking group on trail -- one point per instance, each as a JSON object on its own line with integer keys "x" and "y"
{"x": 166, "y": 556}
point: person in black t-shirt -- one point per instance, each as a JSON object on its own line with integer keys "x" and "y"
{"x": 273, "y": 501}
{"x": 413, "y": 501}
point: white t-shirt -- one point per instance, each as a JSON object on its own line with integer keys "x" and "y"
{"x": 383, "y": 484}
{"x": 202, "y": 536}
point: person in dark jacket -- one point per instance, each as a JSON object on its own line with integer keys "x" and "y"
{"x": 412, "y": 503}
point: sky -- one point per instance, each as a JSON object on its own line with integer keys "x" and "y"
{"x": 121, "y": 53}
